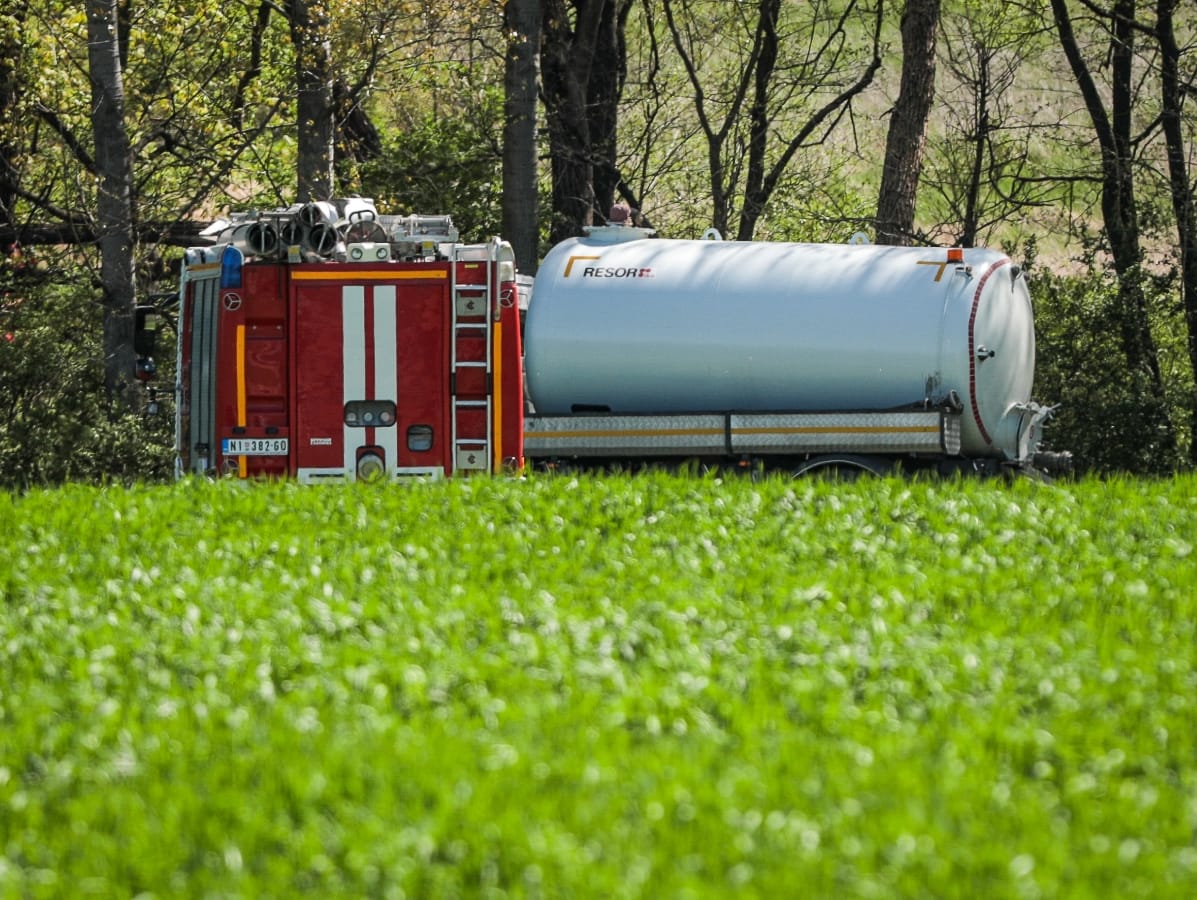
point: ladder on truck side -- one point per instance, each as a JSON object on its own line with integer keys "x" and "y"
{"x": 471, "y": 384}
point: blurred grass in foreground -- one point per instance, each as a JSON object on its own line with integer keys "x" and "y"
{"x": 645, "y": 686}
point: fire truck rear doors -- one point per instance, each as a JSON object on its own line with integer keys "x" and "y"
{"x": 371, "y": 363}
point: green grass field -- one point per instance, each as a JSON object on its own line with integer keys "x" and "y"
{"x": 645, "y": 686}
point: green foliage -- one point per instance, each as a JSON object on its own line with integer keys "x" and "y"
{"x": 55, "y": 422}
{"x": 676, "y": 142}
{"x": 209, "y": 90}
{"x": 199, "y": 125}
{"x": 986, "y": 132}
{"x": 1104, "y": 418}
{"x": 437, "y": 164}
{"x": 809, "y": 208}
{"x": 634, "y": 687}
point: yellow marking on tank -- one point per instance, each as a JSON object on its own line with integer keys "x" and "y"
{"x": 370, "y": 275}
{"x": 497, "y": 427}
{"x": 573, "y": 259}
{"x": 843, "y": 429}
{"x": 693, "y": 432}
{"x": 942, "y": 265}
{"x": 625, "y": 432}
{"x": 242, "y": 462}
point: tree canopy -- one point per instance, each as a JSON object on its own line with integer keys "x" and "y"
{"x": 1061, "y": 129}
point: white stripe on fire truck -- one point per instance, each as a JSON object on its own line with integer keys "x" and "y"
{"x": 386, "y": 367}
{"x": 353, "y": 361}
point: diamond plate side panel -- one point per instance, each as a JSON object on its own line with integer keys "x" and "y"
{"x": 952, "y": 443}
{"x": 625, "y": 435}
{"x": 857, "y": 432}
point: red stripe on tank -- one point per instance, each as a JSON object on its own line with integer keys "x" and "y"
{"x": 972, "y": 351}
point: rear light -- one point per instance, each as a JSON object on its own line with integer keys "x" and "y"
{"x": 506, "y": 257}
{"x": 370, "y": 413}
{"x": 368, "y": 251}
{"x": 230, "y": 268}
{"x": 419, "y": 438}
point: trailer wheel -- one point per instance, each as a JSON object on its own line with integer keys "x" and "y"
{"x": 844, "y": 467}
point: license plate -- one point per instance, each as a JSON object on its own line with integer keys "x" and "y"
{"x": 254, "y": 446}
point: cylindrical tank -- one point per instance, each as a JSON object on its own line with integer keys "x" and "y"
{"x": 629, "y": 324}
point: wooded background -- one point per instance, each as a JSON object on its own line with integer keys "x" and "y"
{"x": 1062, "y": 131}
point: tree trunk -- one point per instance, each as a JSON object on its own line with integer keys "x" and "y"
{"x": 569, "y": 132}
{"x": 520, "y": 224}
{"x": 907, "y": 137}
{"x": 1183, "y": 204}
{"x": 314, "y": 94}
{"x": 770, "y": 75}
{"x": 1119, "y": 209}
{"x": 972, "y": 199}
{"x": 581, "y": 65}
{"x": 607, "y": 76}
{"x": 10, "y": 53}
{"x": 759, "y": 117}
{"x": 114, "y": 203}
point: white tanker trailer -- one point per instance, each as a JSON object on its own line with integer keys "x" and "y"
{"x": 800, "y": 355}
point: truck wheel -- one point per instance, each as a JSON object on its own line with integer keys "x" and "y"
{"x": 844, "y": 467}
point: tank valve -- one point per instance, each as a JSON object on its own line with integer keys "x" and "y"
{"x": 984, "y": 353}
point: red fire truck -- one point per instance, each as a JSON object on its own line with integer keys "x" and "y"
{"x": 327, "y": 343}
